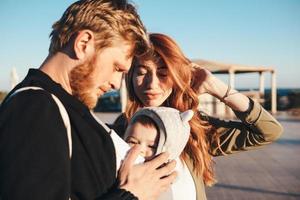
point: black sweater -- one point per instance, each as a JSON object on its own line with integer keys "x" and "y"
{"x": 34, "y": 153}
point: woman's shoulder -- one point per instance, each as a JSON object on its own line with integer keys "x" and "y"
{"x": 120, "y": 124}
{"x": 120, "y": 119}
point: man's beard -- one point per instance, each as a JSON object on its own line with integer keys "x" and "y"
{"x": 82, "y": 84}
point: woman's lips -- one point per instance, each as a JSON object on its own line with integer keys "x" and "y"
{"x": 152, "y": 96}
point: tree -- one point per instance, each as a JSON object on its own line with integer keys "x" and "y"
{"x": 2, "y": 95}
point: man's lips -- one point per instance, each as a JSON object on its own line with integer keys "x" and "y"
{"x": 99, "y": 92}
{"x": 103, "y": 90}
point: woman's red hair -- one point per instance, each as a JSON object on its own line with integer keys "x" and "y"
{"x": 183, "y": 97}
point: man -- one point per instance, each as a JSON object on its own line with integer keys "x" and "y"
{"x": 91, "y": 46}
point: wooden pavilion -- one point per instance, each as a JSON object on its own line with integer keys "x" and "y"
{"x": 233, "y": 69}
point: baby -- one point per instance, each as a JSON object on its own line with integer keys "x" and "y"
{"x": 160, "y": 129}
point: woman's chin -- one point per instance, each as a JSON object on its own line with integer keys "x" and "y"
{"x": 152, "y": 103}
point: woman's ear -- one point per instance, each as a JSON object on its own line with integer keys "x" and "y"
{"x": 84, "y": 44}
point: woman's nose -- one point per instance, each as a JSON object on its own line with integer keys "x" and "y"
{"x": 152, "y": 80}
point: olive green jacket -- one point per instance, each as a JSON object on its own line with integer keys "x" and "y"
{"x": 256, "y": 127}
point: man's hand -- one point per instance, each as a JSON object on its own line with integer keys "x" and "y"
{"x": 146, "y": 180}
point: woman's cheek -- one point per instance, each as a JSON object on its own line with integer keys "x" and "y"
{"x": 139, "y": 81}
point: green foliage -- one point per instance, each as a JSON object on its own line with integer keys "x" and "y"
{"x": 2, "y": 95}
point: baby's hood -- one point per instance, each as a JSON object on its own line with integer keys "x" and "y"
{"x": 174, "y": 128}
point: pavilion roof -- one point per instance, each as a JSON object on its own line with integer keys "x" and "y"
{"x": 225, "y": 68}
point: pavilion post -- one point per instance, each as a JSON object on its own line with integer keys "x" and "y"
{"x": 273, "y": 93}
{"x": 231, "y": 78}
{"x": 261, "y": 85}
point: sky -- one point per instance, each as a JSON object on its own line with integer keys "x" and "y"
{"x": 248, "y": 32}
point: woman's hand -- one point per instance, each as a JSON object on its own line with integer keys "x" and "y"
{"x": 202, "y": 79}
{"x": 147, "y": 180}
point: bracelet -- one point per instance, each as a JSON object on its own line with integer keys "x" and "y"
{"x": 226, "y": 94}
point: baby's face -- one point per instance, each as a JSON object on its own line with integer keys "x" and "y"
{"x": 147, "y": 137}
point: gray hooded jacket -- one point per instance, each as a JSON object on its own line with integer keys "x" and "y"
{"x": 174, "y": 128}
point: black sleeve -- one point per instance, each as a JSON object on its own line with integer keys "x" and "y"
{"x": 34, "y": 153}
{"x": 118, "y": 194}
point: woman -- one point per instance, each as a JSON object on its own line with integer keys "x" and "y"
{"x": 165, "y": 77}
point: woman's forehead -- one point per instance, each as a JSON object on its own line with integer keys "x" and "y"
{"x": 158, "y": 63}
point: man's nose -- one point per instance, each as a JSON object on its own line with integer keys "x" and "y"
{"x": 116, "y": 80}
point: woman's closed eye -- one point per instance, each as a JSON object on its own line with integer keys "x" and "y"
{"x": 141, "y": 71}
{"x": 162, "y": 72}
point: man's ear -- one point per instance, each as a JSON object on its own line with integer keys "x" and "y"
{"x": 84, "y": 44}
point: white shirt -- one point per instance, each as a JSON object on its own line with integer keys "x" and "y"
{"x": 183, "y": 187}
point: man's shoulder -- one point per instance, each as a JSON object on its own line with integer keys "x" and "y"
{"x": 27, "y": 98}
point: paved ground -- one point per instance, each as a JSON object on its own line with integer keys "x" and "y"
{"x": 272, "y": 172}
